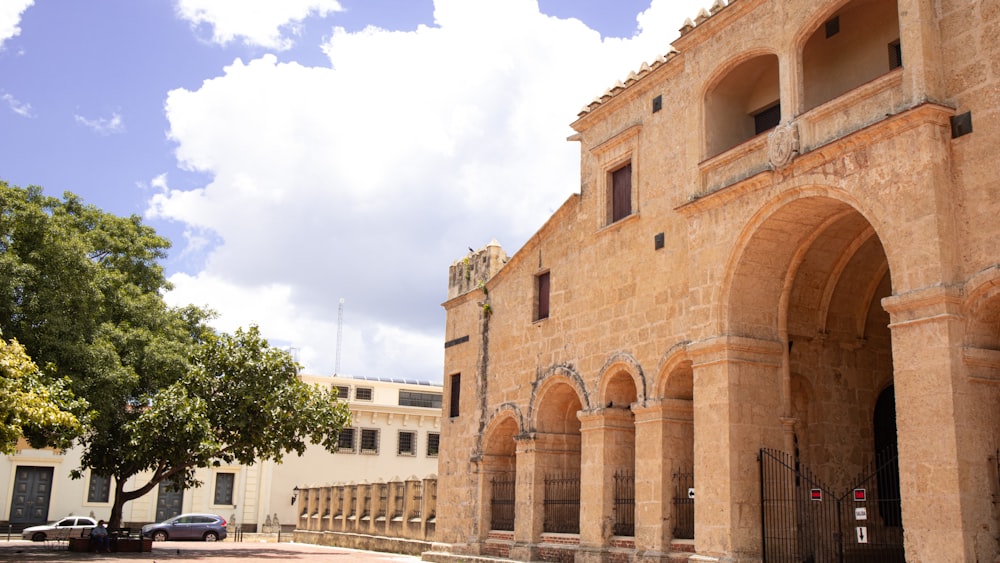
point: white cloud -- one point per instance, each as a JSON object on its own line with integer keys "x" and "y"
{"x": 20, "y": 108}
{"x": 10, "y": 18}
{"x": 366, "y": 179}
{"x": 103, "y": 125}
{"x": 264, "y": 23}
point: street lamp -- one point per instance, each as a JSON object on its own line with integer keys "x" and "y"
{"x": 295, "y": 494}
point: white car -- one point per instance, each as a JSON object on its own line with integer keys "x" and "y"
{"x": 70, "y": 526}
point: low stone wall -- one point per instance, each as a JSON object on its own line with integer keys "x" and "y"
{"x": 363, "y": 541}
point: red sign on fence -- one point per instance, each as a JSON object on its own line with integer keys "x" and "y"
{"x": 816, "y": 494}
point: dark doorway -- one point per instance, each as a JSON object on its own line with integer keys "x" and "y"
{"x": 32, "y": 490}
{"x": 168, "y": 502}
{"x": 885, "y": 449}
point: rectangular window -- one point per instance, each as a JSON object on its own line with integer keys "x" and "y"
{"x": 345, "y": 442}
{"x": 455, "y": 389}
{"x": 363, "y": 393}
{"x": 433, "y": 441}
{"x": 767, "y": 119}
{"x": 407, "y": 443}
{"x": 542, "y": 289}
{"x": 224, "y": 488}
{"x": 343, "y": 392}
{"x": 416, "y": 399}
{"x": 100, "y": 488}
{"x": 895, "y": 55}
{"x": 369, "y": 441}
{"x": 621, "y": 193}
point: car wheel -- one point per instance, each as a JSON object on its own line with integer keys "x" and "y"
{"x": 159, "y": 535}
{"x": 38, "y": 536}
{"x": 211, "y": 536}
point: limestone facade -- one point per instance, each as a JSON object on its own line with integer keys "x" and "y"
{"x": 785, "y": 240}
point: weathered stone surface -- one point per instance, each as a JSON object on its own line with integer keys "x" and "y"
{"x": 798, "y": 283}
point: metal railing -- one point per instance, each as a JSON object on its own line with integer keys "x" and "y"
{"x": 562, "y": 504}
{"x": 684, "y": 504}
{"x": 502, "y": 502}
{"x": 624, "y": 503}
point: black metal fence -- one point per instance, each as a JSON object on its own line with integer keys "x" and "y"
{"x": 562, "y": 504}
{"x": 624, "y": 503}
{"x": 684, "y": 504}
{"x": 502, "y": 502}
{"x": 803, "y": 519}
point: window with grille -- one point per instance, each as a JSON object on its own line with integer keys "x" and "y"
{"x": 433, "y": 440}
{"x": 345, "y": 442}
{"x": 224, "y": 488}
{"x": 369, "y": 441}
{"x": 407, "y": 443}
{"x": 343, "y": 392}
{"x": 363, "y": 393}
{"x": 100, "y": 488}
{"x": 417, "y": 399}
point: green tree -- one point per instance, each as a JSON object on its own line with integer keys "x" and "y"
{"x": 32, "y": 405}
{"x": 82, "y": 291}
{"x": 241, "y": 402}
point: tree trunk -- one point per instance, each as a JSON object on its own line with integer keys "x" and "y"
{"x": 115, "y": 520}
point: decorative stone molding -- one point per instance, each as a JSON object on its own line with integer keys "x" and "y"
{"x": 783, "y": 145}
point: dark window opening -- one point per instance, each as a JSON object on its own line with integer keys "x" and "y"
{"x": 363, "y": 393}
{"x": 343, "y": 392}
{"x": 433, "y": 442}
{"x": 345, "y": 442}
{"x": 415, "y": 399}
{"x": 767, "y": 119}
{"x": 407, "y": 443}
{"x": 100, "y": 488}
{"x": 224, "y": 488}
{"x": 542, "y": 285}
{"x": 657, "y": 104}
{"x": 621, "y": 193}
{"x": 833, "y": 27}
{"x": 455, "y": 387}
{"x": 895, "y": 55}
{"x": 369, "y": 441}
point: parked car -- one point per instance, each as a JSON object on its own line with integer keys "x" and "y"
{"x": 70, "y": 526}
{"x": 208, "y": 527}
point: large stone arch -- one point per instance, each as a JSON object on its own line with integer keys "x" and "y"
{"x": 802, "y": 334}
{"x": 618, "y": 371}
{"x": 552, "y": 378}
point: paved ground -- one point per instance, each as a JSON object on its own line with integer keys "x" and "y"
{"x": 220, "y": 552}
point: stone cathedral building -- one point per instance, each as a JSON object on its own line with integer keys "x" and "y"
{"x": 768, "y": 325}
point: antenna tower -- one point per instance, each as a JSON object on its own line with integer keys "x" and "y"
{"x": 340, "y": 333}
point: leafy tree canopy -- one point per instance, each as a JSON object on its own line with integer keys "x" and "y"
{"x": 82, "y": 290}
{"x": 33, "y": 406}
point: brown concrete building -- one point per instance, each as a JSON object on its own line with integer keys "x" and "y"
{"x": 781, "y": 274}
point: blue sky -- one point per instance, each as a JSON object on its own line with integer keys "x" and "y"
{"x": 303, "y": 151}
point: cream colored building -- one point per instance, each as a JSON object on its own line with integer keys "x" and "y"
{"x": 395, "y": 434}
{"x": 781, "y": 274}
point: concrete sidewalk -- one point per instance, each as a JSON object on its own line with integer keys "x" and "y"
{"x": 219, "y": 552}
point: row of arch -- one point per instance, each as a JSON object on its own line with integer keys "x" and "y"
{"x": 837, "y": 50}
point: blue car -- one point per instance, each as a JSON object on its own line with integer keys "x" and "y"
{"x": 206, "y": 527}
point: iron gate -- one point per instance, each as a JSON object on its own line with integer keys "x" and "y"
{"x": 804, "y": 520}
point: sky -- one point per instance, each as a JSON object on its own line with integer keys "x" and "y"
{"x": 303, "y": 152}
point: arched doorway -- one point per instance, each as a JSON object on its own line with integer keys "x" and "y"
{"x": 811, "y": 277}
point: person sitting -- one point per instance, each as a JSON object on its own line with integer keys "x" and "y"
{"x": 99, "y": 538}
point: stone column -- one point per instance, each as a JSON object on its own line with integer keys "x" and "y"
{"x": 608, "y": 438}
{"x": 665, "y": 428}
{"x": 937, "y": 429}
{"x": 737, "y": 410}
{"x": 920, "y": 41}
